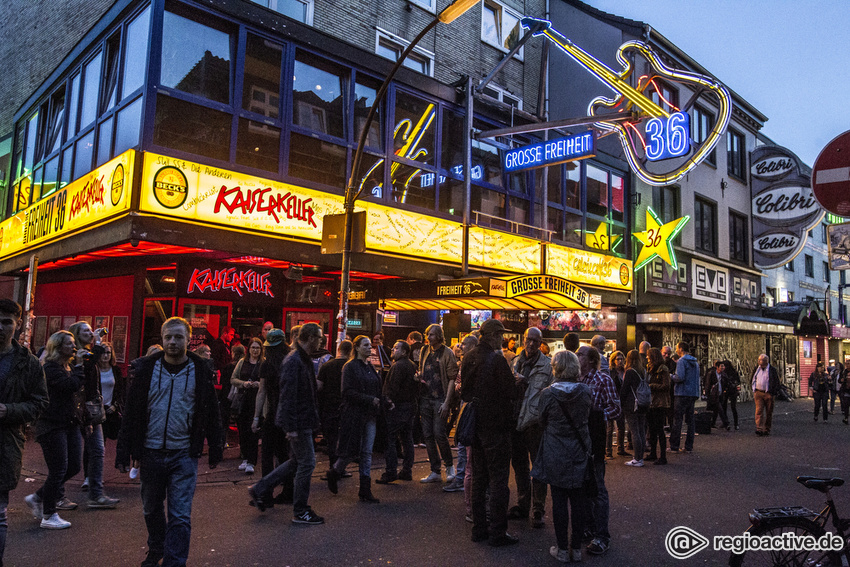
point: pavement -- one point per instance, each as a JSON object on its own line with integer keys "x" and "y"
{"x": 710, "y": 491}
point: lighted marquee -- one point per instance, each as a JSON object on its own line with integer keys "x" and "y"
{"x": 666, "y": 131}
{"x": 550, "y": 152}
{"x": 591, "y": 268}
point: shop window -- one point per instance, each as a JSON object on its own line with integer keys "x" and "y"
{"x": 453, "y": 142}
{"x": 518, "y": 182}
{"x": 738, "y": 237}
{"x": 90, "y": 90}
{"x": 127, "y": 128}
{"x": 705, "y": 226}
{"x": 258, "y": 145}
{"x": 572, "y": 228}
{"x": 486, "y": 157}
{"x": 452, "y": 197}
{"x": 261, "y": 79}
{"x": 810, "y": 266}
{"x": 391, "y": 47}
{"x": 410, "y": 187}
{"x": 365, "y": 91}
{"x": 318, "y": 93}
{"x": 36, "y": 182}
{"x": 136, "y": 53}
{"x": 702, "y": 121}
{"x": 519, "y": 213}
{"x": 415, "y": 122}
{"x": 555, "y": 222}
{"x": 110, "y": 83}
{"x": 597, "y": 191}
{"x": 736, "y": 154}
{"x": 104, "y": 142}
{"x": 192, "y": 128}
{"x": 573, "y": 186}
{"x": 553, "y": 184}
{"x": 314, "y": 160}
{"x": 824, "y": 235}
{"x": 66, "y": 174}
{"x": 196, "y": 59}
{"x": 300, "y": 10}
{"x": 500, "y": 26}
{"x": 84, "y": 151}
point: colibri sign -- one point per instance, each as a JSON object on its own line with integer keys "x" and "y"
{"x": 783, "y": 206}
{"x": 550, "y": 152}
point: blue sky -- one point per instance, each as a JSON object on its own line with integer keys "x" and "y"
{"x": 788, "y": 58}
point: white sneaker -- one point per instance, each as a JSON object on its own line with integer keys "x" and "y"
{"x": 631, "y": 463}
{"x": 562, "y": 555}
{"x": 85, "y": 485}
{"x": 54, "y": 522}
{"x": 433, "y": 477}
{"x": 243, "y": 466}
{"x": 249, "y": 469}
{"x": 635, "y": 463}
{"x": 36, "y": 506}
{"x": 450, "y": 473}
{"x": 134, "y": 473}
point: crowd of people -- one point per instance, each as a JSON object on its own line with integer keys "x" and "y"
{"x": 554, "y": 420}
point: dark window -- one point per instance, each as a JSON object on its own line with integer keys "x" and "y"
{"x": 738, "y": 237}
{"x": 415, "y": 122}
{"x": 317, "y": 161}
{"x": 365, "y": 91}
{"x": 453, "y": 142}
{"x": 258, "y": 145}
{"x": 669, "y": 207}
{"x": 789, "y": 267}
{"x": 824, "y": 234}
{"x": 261, "y": 79}
{"x": 451, "y": 197}
{"x": 810, "y": 266}
{"x": 736, "y": 154}
{"x": 192, "y": 128}
{"x": 104, "y": 142}
{"x": 618, "y": 196}
{"x": 842, "y": 277}
{"x": 318, "y": 89}
{"x": 301, "y": 10}
{"x": 701, "y": 125}
{"x": 83, "y": 153}
{"x": 597, "y": 191}
{"x": 196, "y": 59}
{"x": 663, "y": 95}
{"x": 705, "y": 226}
{"x": 827, "y": 277}
{"x": 110, "y": 83}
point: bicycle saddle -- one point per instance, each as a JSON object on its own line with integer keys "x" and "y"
{"x": 819, "y": 484}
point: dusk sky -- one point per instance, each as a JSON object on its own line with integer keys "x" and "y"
{"x": 788, "y": 58}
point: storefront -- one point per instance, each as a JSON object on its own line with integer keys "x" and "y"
{"x": 811, "y": 326}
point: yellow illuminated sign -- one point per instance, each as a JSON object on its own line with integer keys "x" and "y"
{"x": 590, "y": 268}
{"x": 601, "y": 239}
{"x": 503, "y": 251}
{"x": 97, "y": 196}
{"x": 658, "y": 238}
{"x": 541, "y": 283}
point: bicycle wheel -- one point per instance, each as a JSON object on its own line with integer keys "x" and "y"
{"x": 786, "y": 557}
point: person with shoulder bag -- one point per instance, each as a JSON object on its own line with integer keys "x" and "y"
{"x": 113, "y": 387}
{"x": 635, "y": 404}
{"x": 246, "y": 380}
{"x": 564, "y": 460}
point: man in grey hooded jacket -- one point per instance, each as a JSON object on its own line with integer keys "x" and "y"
{"x": 686, "y": 388}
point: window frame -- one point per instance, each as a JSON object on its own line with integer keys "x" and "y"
{"x": 308, "y": 13}
{"x": 498, "y": 8}
{"x": 699, "y": 203}
{"x": 734, "y": 236}
{"x": 736, "y": 157}
{"x": 501, "y": 93}
{"x": 418, "y": 53}
{"x": 809, "y": 266}
{"x": 697, "y": 133}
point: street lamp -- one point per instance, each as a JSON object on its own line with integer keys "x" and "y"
{"x": 353, "y": 188}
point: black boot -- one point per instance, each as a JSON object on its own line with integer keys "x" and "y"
{"x": 365, "y": 493}
{"x": 333, "y": 479}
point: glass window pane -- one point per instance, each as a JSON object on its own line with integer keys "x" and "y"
{"x": 452, "y": 141}
{"x": 415, "y": 121}
{"x": 573, "y": 182}
{"x": 554, "y": 222}
{"x": 88, "y": 110}
{"x": 618, "y": 192}
{"x": 572, "y": 228}
{"x": 553, "y": 188}
{"x": 110, "y": 83}
{"x": 519, "y": 213}
{"x": 486, "y": 163}
{"x": 510, "y": 30}
{"x": 409, "y": 187}
{"x": 388, "y": 49}
{"x": 51, "y": 177}
{"x": 371, "y": 175}
{"x": 72, "y": 107}
{"x": 261, "y": 89}
{"x": 57, "y": 115}
{"x": 196, "y": 58}
{"x": 192, "y": 128}
{"x": 365, "y": 91}
{"x": 451, "y": 197}
{"x": 127, "y": 130}
{"x": 258, "y": 145}
{"x": 317, "y": 161}
{"x": 490, "y": 24}
{"x": 136, "y": 53}
{"x": 318, "y": 88}
{"x": 295, "y": 9}
{"x": 489, "y": 202}
{"x": 67, "y": 166}
{"x": 36, "y": 185}
{"x": 23, "y": 189}
{"x": 32, "y": 138}
{"x": 104, "y": 142}
{"x": 518, "y": 182}
{"x": 597, "y": 191}
{"x": 83, "y": 155}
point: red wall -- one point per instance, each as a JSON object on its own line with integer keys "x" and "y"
{"x": 92, "y": 298}
{"x": 807, "y": 365}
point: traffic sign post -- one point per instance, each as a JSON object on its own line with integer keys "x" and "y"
{"x": 831, "y": 176}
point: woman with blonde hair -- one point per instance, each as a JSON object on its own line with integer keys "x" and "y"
{"x": 58, "y": 430}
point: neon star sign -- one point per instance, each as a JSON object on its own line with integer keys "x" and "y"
{"x": 601, "y": 239}
{"x": 658, "y": 238}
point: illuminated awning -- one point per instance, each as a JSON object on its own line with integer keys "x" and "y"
{"x": 531, "y": 293}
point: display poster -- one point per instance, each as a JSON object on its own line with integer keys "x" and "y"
{"x": 119, "y": 338}
{"x": 661, "y": 277}
{"x": 54, "y": 325}
{"x": 710, "y": 282}
{"x": 39, "y": 333}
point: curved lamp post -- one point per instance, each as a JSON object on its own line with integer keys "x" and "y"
{"x": 354, "y": 188}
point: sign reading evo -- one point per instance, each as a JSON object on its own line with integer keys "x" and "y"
{"x": 570, "y": 148}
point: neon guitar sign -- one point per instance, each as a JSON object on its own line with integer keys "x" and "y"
{"x": 665, "y": 127}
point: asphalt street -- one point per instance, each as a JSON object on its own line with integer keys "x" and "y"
{"x": 710, "y": 491}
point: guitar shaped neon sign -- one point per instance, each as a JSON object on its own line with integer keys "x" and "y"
{"x": 635, "y": 99}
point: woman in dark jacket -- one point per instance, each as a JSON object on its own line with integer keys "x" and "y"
{"x": 564, "y": 453}
{"x": 113, "y": 388}
{"x": 58, "y": 430}
{"x": 616, "y": 369}
{"x": 730, "y": 395}
{"x": 635, "y": 416}
{"x": 659, "y": 383}
{"x": 361, "y": 401}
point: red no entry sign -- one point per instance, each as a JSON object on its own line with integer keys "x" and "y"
{"x": 831, "y": 176}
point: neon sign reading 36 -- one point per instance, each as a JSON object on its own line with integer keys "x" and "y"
{"x": 668, "y": 138}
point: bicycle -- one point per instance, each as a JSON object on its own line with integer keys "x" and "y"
{"x": 799, "y": 521}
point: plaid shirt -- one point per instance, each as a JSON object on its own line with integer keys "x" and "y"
{"x": 604, "y": 394}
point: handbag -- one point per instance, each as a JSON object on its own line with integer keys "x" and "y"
{"x": 235, "y": 396}
{"x": 112, "y": 425}
{"x": 589, "y": 485}
{"x": 465, "y": 431}
{"x": 95, "y": 413}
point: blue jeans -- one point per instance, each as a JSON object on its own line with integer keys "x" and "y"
{"x": 4, "y": 503}
{"x": 637, "y": 425}
{"x": 599, "y": 506}
{"x": 683, "y": 408}
{"x": 172, "y": 475}
{"x": 460, "y": 470}
{"x": 367, "y": 441}
{"x": 301, "y": 463}
{"x": 63, "y": 455}
{"x": 94, "y": 471}
{"x": 434, "y": 431}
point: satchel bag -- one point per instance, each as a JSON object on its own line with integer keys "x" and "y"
{"x": 465, "y": 431}
{"x": 95, "y": 414}
{"x": 589, "y": 485}
{"x": 236, "y": 396}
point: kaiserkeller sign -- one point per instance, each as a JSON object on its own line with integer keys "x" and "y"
{"x": 783, "y": 206}
{"x": 228, "y": 282}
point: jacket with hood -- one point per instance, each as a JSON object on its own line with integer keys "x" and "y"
{"x": 561, "y": 460}
{"x": 539, "y": 376}
{"x": 686, "y": 378}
